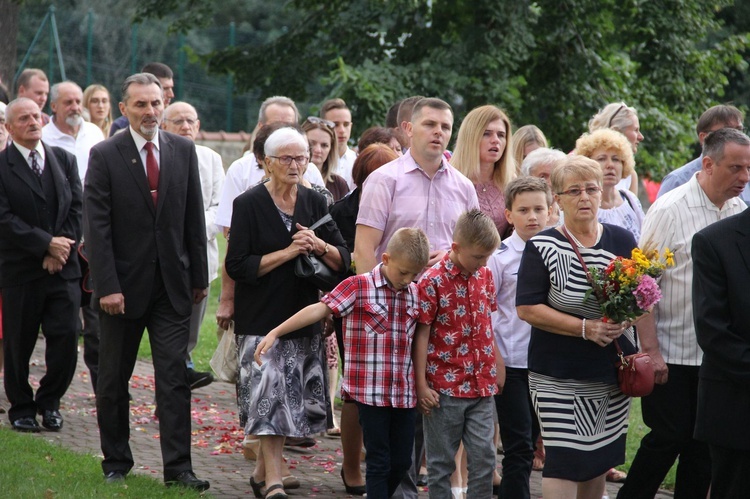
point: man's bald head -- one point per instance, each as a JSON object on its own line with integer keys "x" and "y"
{"x": 182, "y": 119}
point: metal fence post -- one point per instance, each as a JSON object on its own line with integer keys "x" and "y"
{"x": 181, "y": 66}
{"x": 230, "y": 84}
{"x": 89, "y": 47}
{"x": 133, "y": 47}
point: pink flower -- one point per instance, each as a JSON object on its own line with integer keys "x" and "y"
{"x": 647, "y": 294}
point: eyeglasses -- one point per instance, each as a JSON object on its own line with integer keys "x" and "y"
{"x": 320, "y": 121}
{"x": 576, "y": 191}
{"x": 287, "y": 160}
{"x": 616, "y": 113}
{"x": 180, "y": 122}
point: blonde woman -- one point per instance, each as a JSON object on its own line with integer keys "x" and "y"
{"x": 482, "y": 155}
{"x": 624, "y": 119}
{"x": 323, "y": 154}
{"x": 527, "y": 139}
{"x": 97, "y": 103}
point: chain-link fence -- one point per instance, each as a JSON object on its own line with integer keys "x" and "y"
{"x": 105, "y": 48}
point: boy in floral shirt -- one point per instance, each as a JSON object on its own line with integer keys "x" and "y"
{"x": 457, "y": 366}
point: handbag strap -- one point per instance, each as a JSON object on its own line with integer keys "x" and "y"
{"x": 320, "y": 222}
{"x": 590, "y": 279}
{"x": 578, "y": 254}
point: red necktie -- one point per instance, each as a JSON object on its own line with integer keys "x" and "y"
{"x": 152, "y": 171}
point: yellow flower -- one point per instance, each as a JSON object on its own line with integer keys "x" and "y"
{"x": 669, "y": 257}
{"x": 640, "y": 258}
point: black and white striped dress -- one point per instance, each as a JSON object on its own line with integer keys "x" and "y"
{"x": 573, "y": 382}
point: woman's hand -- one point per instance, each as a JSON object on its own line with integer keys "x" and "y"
{"x": 305, "y": 240}
{"x": 603, "y": 333}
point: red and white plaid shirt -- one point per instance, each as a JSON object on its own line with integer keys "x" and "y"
{"x": 460, "y": 352}
{"x": 379, "y": 325}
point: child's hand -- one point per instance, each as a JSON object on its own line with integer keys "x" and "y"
{"x": 500, "y": 378}
{"x": 426, "y": 400}
{"x": 265, "y": 344}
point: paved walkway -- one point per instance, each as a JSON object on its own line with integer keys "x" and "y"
{"x": 217, "y": 452}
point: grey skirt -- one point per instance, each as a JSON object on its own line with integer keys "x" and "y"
{"x": 288, "y": 394}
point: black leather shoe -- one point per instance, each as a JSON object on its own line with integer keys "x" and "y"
{"x": 114, "y": 477}
{"x": 52, "y": 420}
{"x": 199, "y": 379}
{"x": 189, "y": 480}
{"x": 27, "y": 424}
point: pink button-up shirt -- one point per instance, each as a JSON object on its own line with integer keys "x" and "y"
{"x": 400, "y": 194}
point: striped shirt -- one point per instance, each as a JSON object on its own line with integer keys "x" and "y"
{"x": 671, "y": 223}
{"x": 551, "y": 274}
{"x": 379, "y": 326}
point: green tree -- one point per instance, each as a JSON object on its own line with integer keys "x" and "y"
{"x": 551, "y": 63}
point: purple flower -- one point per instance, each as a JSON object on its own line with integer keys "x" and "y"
{"x": 647, "y": 294}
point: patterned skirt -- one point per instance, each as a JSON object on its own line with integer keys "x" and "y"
{"x": 584, "y": 425}
{"x": 287, "y": 395}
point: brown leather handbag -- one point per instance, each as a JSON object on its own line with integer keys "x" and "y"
{"x": 635, "y": 373}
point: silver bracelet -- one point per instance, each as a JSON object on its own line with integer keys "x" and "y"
{"x": 583, "y": 330}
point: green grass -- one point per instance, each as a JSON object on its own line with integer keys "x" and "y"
{"x": 32, "y": 467}
{"x": 207, "y": 340}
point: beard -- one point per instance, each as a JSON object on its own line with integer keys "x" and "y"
{"x": 74, "y": 120}
{"x": 149, "y": 130}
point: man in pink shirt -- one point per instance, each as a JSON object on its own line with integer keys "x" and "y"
{"x": 419, "y": 189}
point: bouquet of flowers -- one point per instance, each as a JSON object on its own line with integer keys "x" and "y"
{"x": 628, "y": 287}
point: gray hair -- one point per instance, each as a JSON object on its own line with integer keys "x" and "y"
{"x": 538, "y": 157}
{"x": 11, "y": 107}
{"x": 279, "y": 101}
{"x": 3, "y": 105}
{"x": 138, "y": 79}
{"x": 715, "y": 142}
{"x": 617, "y": 116}
{"x": 54, "y": 92}
{"x": 281, "y": 138}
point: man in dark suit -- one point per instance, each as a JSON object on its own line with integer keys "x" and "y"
{"x": 40, "y": 222}
{"x": 721, "y": 310}
{"x": 145, "y": 236}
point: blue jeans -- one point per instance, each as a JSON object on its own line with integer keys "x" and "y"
{"x": 519, "y": 428}
{"x": 389, "y": 438}
{"x": 460, "y": 419}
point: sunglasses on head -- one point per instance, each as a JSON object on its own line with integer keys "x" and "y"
{"x": 320, "y": 121}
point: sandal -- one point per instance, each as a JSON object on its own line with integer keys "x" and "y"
{"x": 333, "y": 432}
{"x": 277, "y": 495}
{"x": 616, "y": 476}
{"x": 290, "y": 482}
{"x": 257, "y": 486}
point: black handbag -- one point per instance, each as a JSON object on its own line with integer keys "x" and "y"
{"x": 312, "y": 269}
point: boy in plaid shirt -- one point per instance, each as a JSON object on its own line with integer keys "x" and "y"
{"x": 379, "y": 310}
{"x": 458, "y": 368}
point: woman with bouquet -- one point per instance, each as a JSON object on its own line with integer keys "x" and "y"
{"x": 572, "y": 378}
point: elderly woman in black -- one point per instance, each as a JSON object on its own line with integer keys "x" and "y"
{"x": 287, "y": 396}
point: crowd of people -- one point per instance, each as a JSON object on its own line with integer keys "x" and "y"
{"x": 459, "y": 315}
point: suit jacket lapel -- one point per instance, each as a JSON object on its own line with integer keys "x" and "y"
{"x": 743, "y": 239}
{"x": 21, "y": 169}
{"x": 133, "y": 163}
{"x": 59, "y": 178}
